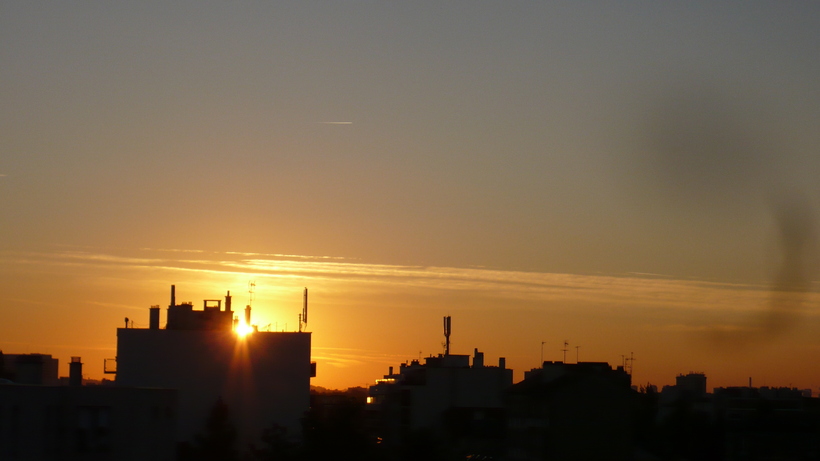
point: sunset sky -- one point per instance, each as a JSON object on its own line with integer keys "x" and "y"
{"x": 632, "y": 177}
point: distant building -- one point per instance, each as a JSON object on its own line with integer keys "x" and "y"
{"x": 691, "y": 383}
{"x": 263, "y": 377}
{"x": 444, "y": 400}
{"x": 576, "y": 411}
{"x": 43, "y": 421}
{"x": 736, "y": 423}
{"x": 40, "y": 369}
{"x": 688, "y": 396}
{"x": 767, "y": 423}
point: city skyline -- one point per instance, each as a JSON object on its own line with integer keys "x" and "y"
{"x": 366, "y": 318}
{"x": 635, "y": 178}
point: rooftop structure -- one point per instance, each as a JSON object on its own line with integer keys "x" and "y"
{"x": 184, "y": 317}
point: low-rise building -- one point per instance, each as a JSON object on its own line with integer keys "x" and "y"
{"x": 767, "y": 423}
{"x": 40, "y": 422}
{"x": 445, "y": 399}
{"x": 38, "y": 369}
{"x": 577, "y": 411}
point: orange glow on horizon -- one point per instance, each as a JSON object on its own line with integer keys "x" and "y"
{"x": 369, "y": 317}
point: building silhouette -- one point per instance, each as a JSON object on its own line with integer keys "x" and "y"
{"x": 766, "y": 423}
{"x": 42, "y": 420}
{"x": 692, "y": 383}
{"x": 40, "y": 369}
{"x": 578, "y": 411}
{"x": 196, "y": 384}
{"x": 263, "y": 377}
{"x": 445, "y": 401}
{"x": 736, "y": 423}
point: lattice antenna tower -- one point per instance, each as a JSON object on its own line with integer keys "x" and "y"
{"x": 251, "y": 291}
{"x": 629, "y": 363}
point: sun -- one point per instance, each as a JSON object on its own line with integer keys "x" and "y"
{"x": 243, "y": 329}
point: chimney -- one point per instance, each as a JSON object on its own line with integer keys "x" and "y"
{"x": 390, "y": 372}
{"x": 502, "y": 362}
{"x": 478, "y": 359}
{"x": 153, "y": 317}
{"x": 228, "y": 302}
{"x": 173, "y": 296}
{"x": 75, "y": 372}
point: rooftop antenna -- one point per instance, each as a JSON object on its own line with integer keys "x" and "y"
{"x": 566, "y": 344}
{"x": 303, "y": 315}
{"x": 630, "y": 362}
{"x": 447, "y": 330}
{"x": 251, "y": 289}
{"x": 542, "y": 353}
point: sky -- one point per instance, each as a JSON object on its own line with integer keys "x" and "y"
{"x": 629, "y": 177}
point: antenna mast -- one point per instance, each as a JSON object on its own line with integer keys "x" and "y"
{"x": 566, "y": 344}
{"x": 251, "y": 289}
{"x": 629, "y": 363}
{"x": 303, "y": 316}
{"x": 447, "y": 330}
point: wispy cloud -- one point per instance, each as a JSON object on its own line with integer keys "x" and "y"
{"x": 118, "y": 306}
{"x": 279, "y": 255}
{"x": 173, "y": 250}
{"x": 632, "y": 289}
{"x": 343, "y": 357}
{"x": 701, "y": 329}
